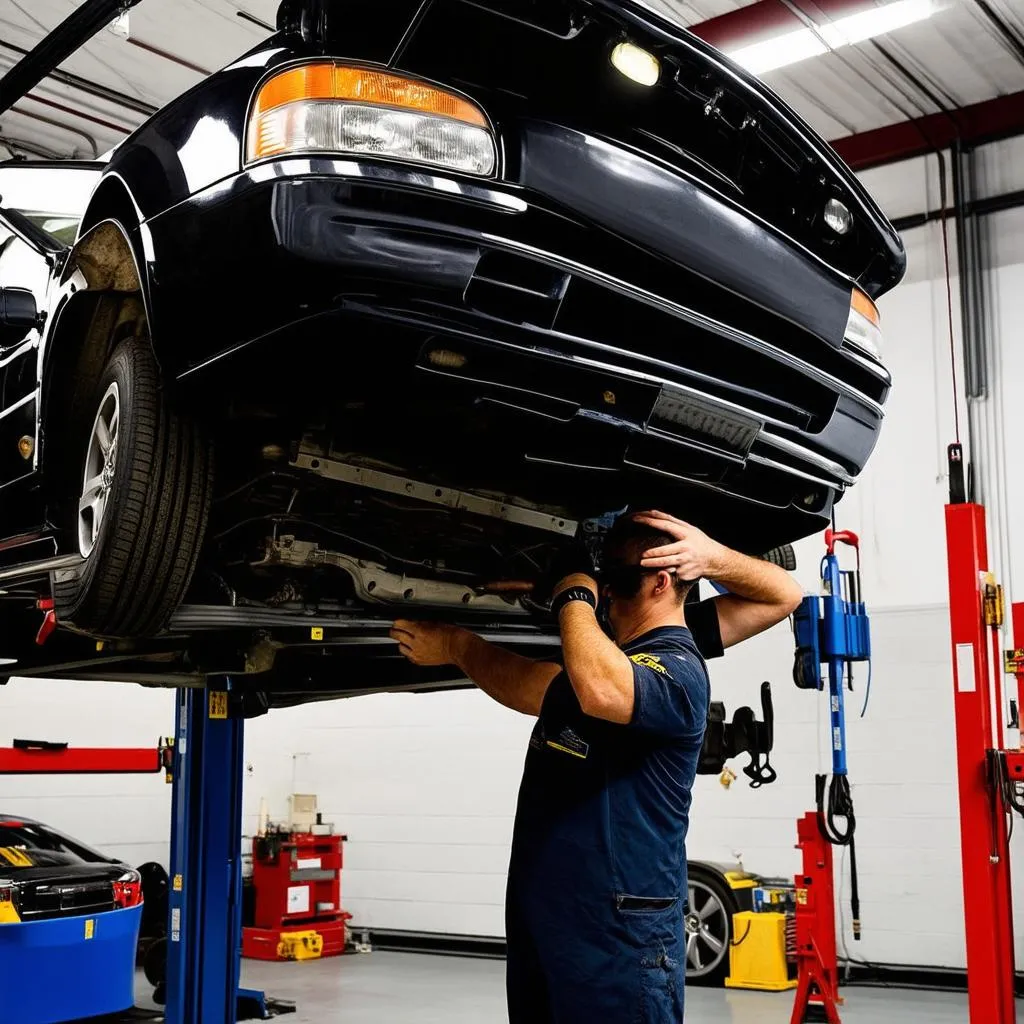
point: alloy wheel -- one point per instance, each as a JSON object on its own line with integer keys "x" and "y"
{"x": 100, "y": 463}
{"x": 707, "y": 930}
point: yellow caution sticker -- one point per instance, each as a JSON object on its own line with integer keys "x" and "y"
{"x": 801, "y": 897}
{"x": 317, "y": 633}
{"x": 178, "y": 883}
{"x": 218, "y": 704}
{"x": 90, "y": 927}
{"x": 15, "y": 857}
{"x": 8, "y": 915}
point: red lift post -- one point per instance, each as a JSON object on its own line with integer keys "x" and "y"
{"x": 975, "y": 611}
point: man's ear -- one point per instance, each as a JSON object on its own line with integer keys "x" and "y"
{"x": 662, "y": 583}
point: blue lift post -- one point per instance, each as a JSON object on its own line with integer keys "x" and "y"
{"x": 205, "y": 899}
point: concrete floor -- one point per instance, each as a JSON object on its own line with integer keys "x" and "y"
{"x": 397, "y": 988}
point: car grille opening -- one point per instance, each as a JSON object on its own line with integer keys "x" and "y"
{"x": 515, "y": 289}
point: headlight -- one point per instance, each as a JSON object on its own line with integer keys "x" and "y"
{"x": 331, "y": 108}
{"x": 863, "y": 328}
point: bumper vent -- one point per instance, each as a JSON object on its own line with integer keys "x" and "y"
{"x": 517, "y": 290}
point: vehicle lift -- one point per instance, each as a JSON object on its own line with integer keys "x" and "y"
{"x": 204, "y": 763}
{"x": 204, "y": 935}
{"x": 990, "y": 777}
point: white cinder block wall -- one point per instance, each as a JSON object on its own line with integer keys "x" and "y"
{"x": 425, "y": 785}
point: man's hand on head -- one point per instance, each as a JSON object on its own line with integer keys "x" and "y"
{"x": 693, "y": 554}
{"x": 428, "y": 643}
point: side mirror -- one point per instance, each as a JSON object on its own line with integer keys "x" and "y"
{"x": 18, "y": 315}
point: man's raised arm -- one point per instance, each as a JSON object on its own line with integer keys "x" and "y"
{"x": 760, "y": 594}
{"x": 510, "y": 679}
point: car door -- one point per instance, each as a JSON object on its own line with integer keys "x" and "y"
{"x": 40, "y": 207}
{"x": 21, "y": 267}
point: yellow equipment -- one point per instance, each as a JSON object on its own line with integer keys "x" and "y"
{"x": 757, "y": 956}
{"x": 300, "y": 946}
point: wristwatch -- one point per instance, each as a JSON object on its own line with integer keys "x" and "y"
{"x": 572, "y": 594}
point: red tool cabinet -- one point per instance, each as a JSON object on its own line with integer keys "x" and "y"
{"x": 297, "y": 881}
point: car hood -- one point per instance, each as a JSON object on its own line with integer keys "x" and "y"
{"x": 706, "y": 117}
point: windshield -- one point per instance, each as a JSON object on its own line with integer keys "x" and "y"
{"x": 27, "y": 844}
{"x": 53, "y": 198}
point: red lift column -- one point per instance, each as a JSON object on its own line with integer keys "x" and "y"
{"x": 988, "y": 918}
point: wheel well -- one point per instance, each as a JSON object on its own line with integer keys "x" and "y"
{"x": 110, "y": 201}
{"x": 105, "y": 305}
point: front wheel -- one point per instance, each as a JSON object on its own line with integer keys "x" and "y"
{"x": 144, "y": 497}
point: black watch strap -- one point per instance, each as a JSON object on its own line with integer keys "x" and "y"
{"x": 572, "y": 594}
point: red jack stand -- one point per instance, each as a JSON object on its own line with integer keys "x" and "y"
{"x": 817, "y": 993}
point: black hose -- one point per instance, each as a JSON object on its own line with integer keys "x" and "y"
{"x": 840, "y": 805}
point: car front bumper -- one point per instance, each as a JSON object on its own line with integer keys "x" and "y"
{"x": 606, "y": 357}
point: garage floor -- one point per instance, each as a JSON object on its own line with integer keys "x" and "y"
{"x": 397, "y": 988}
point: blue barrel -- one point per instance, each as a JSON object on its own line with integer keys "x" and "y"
{"x": 68, "y": 967}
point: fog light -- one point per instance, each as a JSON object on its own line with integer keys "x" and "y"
{"x": 636, "y": 64}
{"x": 446, "y": 359}
{"x": 838, "y": 217}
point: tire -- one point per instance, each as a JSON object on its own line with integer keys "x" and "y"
{"x": 785, "y": 557}
{"x": 708, "y": 927}
{"x": 142, "y": 513}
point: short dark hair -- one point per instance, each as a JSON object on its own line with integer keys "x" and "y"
{"x": 624, "y": 547}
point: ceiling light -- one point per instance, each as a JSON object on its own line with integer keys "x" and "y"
{"x": 838, "y": 217}
{"x": 793, "y": 47}
{"x": 636, "y": 64}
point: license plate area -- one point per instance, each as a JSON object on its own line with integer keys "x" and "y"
{"x": 691, "y": 417}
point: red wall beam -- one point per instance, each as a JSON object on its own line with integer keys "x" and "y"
{"x": 980, "y": 122}
{"x": 767, "y": 18}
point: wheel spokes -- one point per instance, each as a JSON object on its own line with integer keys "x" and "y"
{"x": 710, "y": 908}
{"x": 711, "y": 940}
{"x": 103, "y": 434}
{"x": 693, "y": 951}
{"x": 97, "y": 515}
{"x": 91, "y": 493}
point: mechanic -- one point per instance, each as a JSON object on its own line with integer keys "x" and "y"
{"x": 594, "y": 909}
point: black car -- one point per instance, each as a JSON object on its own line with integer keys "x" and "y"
{"x": 45, "y": 874}
{"x": 400, "y": 302}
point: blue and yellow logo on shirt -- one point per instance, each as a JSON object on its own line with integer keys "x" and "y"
{"x": 649, "y": 661}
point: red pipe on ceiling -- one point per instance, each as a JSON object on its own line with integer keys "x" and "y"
{"x": 766, "y": 18}
{"x": 987, "y": 121}
{"x": 980, "y": 122}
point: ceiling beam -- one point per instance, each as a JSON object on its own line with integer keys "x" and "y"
{"x": 55, "y": 47}
{"x": 765, "y": 18}
{"x": 982, "y": 122}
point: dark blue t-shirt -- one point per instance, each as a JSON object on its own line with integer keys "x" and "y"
{"x": 604, "y": 808}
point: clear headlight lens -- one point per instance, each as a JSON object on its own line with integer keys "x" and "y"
{"x": 327, "y": 108}
{"x": 864, "y": 326}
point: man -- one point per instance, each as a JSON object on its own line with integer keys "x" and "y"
{"x": 597, "y": 876}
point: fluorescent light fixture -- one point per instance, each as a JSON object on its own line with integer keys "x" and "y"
{"x": 636, "y": 63}
{"x": 793, "y": 47}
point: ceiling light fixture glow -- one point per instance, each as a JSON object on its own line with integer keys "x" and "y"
{"x": 793, "y": 47}
{"x": 636, "y": 64}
